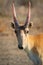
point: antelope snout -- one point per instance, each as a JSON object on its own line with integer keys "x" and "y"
{"x": 20, "y": 47}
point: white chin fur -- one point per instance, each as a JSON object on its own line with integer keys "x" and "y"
{"x": 24, "y": 46}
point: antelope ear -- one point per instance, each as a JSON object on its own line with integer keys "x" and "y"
{"x": 30, "y": 24}
{"x": 12, "y": 24}
{"x": 28, "y": 15}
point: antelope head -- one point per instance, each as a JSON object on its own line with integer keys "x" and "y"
{"x": 22, "y": 31}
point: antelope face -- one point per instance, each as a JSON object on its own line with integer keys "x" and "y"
{"x": 21, "y": 35}
{"x": 22, "y": 31}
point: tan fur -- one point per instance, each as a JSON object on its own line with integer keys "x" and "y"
{"x": 36, "y": 41}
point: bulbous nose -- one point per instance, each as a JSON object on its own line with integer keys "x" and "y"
{"x": 20, "y": 47}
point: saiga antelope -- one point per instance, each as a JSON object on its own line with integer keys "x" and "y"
{"x": 32, "y": 44}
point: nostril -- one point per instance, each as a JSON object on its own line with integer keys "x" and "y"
{"x": 20, "y": 47}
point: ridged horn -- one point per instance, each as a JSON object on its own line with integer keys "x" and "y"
{"x": 14, "y": 16}
{"x": 28, "y": 15}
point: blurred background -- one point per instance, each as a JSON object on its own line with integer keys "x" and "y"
{"x": 21, "y": 10}
{"x": 5, "y": 5}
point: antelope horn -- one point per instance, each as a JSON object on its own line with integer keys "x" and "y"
{"x": 28, "y": 15}
{"x": 14, "y": 16}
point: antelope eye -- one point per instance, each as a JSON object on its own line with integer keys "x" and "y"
{"x": 15, "y": 31}
{"x": 26, "y": 31}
